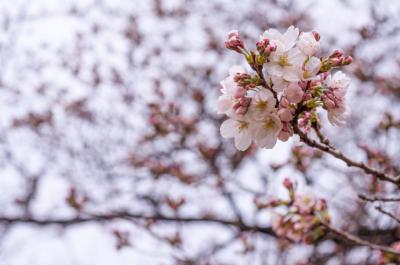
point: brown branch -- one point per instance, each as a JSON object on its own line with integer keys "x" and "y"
{"x": 317, "y": 128}
{"x": 349, "y": 162}
{"x": 358, "y": 241}
{"x": 259, "y": 71}
{"x": 169, "y": 219}
{"x": 385, "y": 212}
{"x": 131, "y": 216}
{"x": 376, "y": 198}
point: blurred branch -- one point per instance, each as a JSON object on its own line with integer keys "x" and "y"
{"x": 385, "y": 212}
{"x": 125, "y": 215}
{"x": 358, "y": 241}
{"x": 376, "y": 198}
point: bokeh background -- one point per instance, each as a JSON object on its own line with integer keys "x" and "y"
{"x": 108, "y": 106}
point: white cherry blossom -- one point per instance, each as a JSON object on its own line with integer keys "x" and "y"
{"x": 284, "y": 41}
{"x": 311, "y": 68}
{"x": 337, "y": 116}
{"x": 286, "y": 64}
{"x": 229, "y": 88}
{"x": 263, "y": 103}
{"x": 286, "y": 60}
{"x": 279, "y": 83}
{"x": 267, "y": 131}
{"x": 240, "y": 130}
{"x": 294, "y": 93}
{"x": 335, "y": 98}
{"x": 339, "y": 81}
{"x": 292, "y": 73}
{"x": 308, "y": 44}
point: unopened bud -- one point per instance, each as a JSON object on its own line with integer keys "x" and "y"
{"x": 321, "y": 205}
{"x": 348, "y": 60}
{"x": 234, "y": 42}
{"x": 272, "y": 47}
{"x": 288, "y": 183}
{"x": 316, "y": 35}
{"x": 285, "y": 115}
{"x": 262, "y": 44}
{"x": 337, "y": 53}
{"x": 284, "y": 103}
{"x": 328, "y": 103}
{"x": 283, "y": 136}
{"x": 336, "y": 61}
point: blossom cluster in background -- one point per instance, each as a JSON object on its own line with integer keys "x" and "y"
{"x": 289, "y": 84}
{"x": 303, "y": 218}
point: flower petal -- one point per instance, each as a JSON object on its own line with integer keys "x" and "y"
{"x": 228, "y": 128}
{"x": 224, "y": 104}
{"x": 243, "y": 140}
{"x": 290, "y": 37}
{"x": 291, "y": 75}
{"x": 273, "y": 34}
{"x": 267, "y": 142}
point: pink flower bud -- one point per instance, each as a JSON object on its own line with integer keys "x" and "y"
{"x": 234, "y": 42}
{"x": 294, "y": 93}
{"x": 272, "y": 47}
{"x": 288, "y": 183}
{"x": 336, "y": 54}
{"x": 336, "y": 61}
{"x": 348, "y": 60}
{"x": 321, "y": 205}
{"x": 303, "y": 84}
{"x": 285, "y": 115}
{"x": 283, "y": 136}
{"x": 262, "y": 44}
{"x": 329, "y": 104}
{"x": 284, "y": 103}
{"x": 316, "y": 35}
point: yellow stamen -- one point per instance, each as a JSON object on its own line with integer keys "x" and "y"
{"x": 284, "y": 60}
{"x": 270, "y": 124}
{"x": 243, "y": 125}
{"x": 261, "y": 105}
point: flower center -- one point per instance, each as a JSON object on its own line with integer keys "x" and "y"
{"x": 283, "y": 60}
{"x": 261, "y": 105}
{"x": 269, "y": 124}
{"x": 243, "y": 125}
{"x": 306, "y": 74}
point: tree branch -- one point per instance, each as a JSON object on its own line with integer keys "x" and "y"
{"x": 349, "y": 162}
{"x": 358, "y": 241}
{"x": 125, "y": 215}
{"x": 385, "y": 212}
{"x": 376, "y": 198}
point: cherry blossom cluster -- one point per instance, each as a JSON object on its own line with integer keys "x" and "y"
{"x": 289, "y": 84}
{"x": 302, "y": 218}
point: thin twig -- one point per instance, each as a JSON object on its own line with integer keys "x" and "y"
{"x": 358, "y": 241}
{"x": 377, "y": 198}
{"x": 385, "y": 212}
{"x": 349, "y": 162}
{"x": 321, "y": 137}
